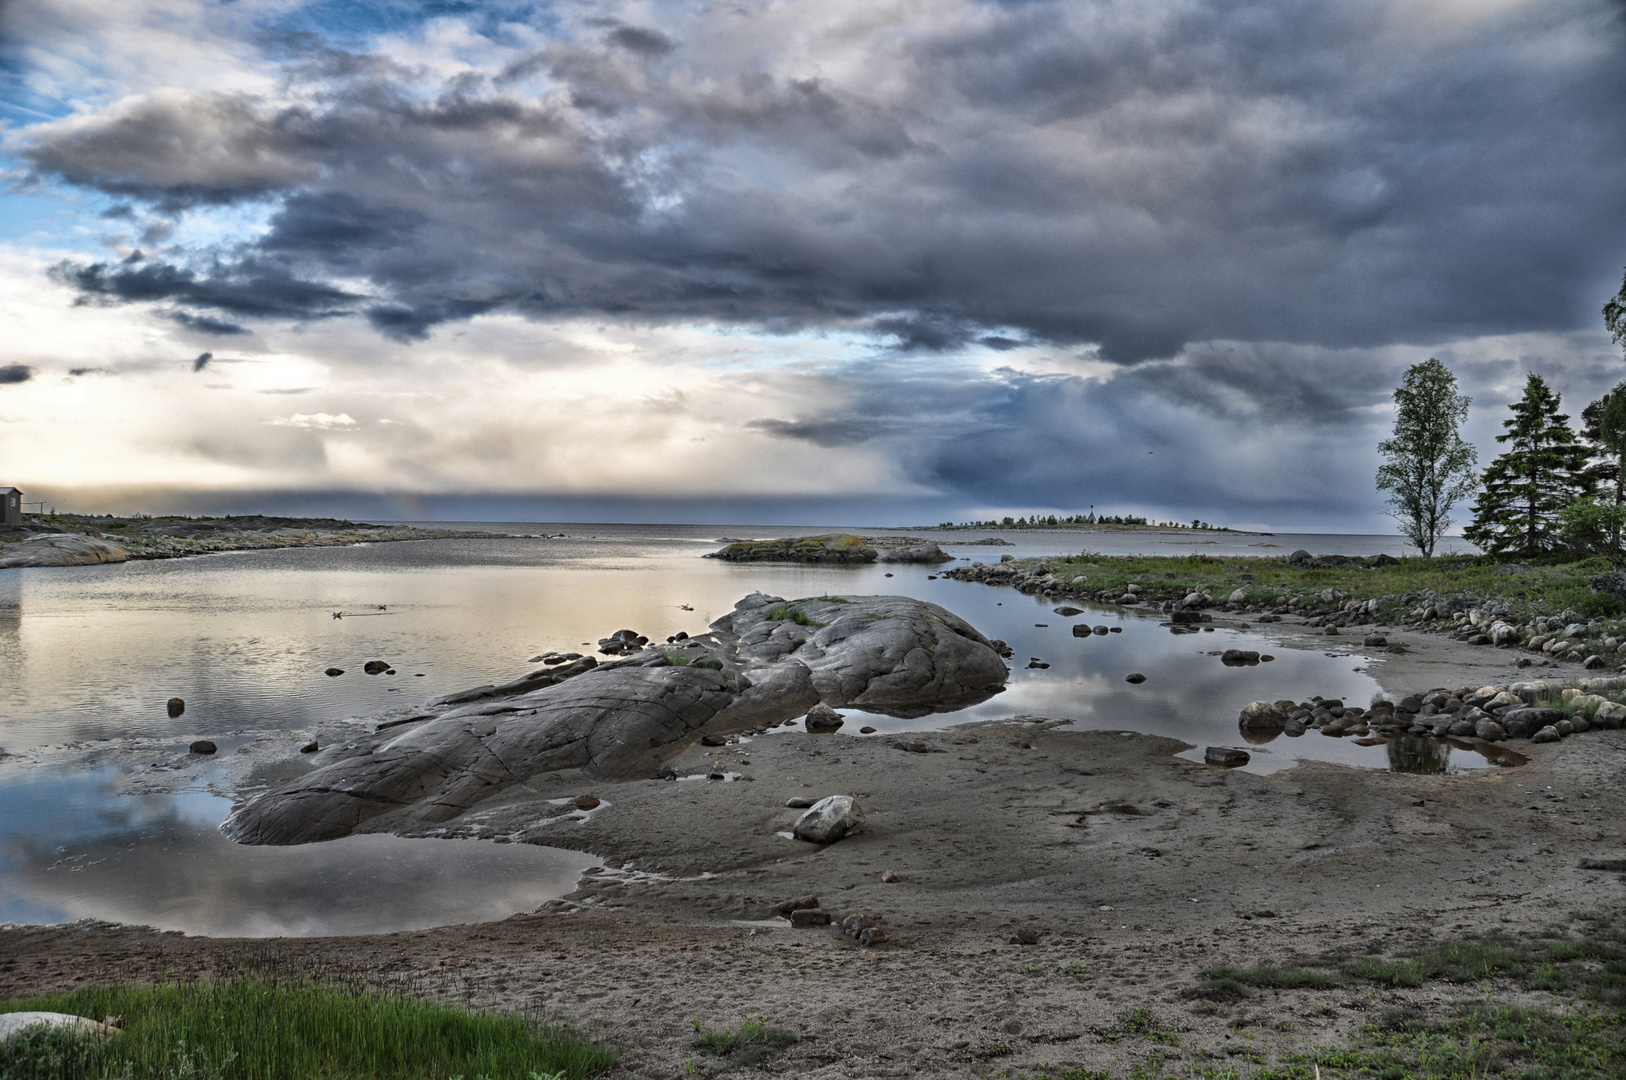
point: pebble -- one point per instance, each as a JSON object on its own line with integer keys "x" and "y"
{"x": 587, "y": 802}
{"x": 203, "y": 746}
{"x": 333, "y": 672}
{"x": 890, "y": 877}
{"x": 1226, "y": 756}
{"x": 866, "y": 730}
{"x": 176, "y": 707}
{"x": 309, "y": 748}
{"x": 799, "y": 803}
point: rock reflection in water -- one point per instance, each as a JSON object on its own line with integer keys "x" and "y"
{"x": 74, "y": 852}
{"x": 1412, "y": 754}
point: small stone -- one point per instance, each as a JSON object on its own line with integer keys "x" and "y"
{"x": 586, "y": 802}
{"x": 309, "y": 748}
{"x": 1546, "y": 734}
{"x": 890, "y": 877}
{"x": 1037, "y": 663}
{"x": 1068, "y": 612}
{"x": 822, "y": 718}
{"x": 802, "y": 918}
{"x": 1136, "y": 678}
{"x": 1101, "y": 630}
{"x": 1225, "y": 756}
{"x": 1332, "y": 631}
{"x": 1024, "y": 937}
{"x": 873, "y": 935}
{"x": 866, "y": 730}
{"x": 1593, "y": 663}
{"x": 1375, "y": 641}
{"x": 829, "y": 819}
{"x": 375, "y": 667}
{"x": 203, "y": 746}
{"x": 713, "y": 740}
{"x": 176, "y": 707}
{"x": 333, "y": 672}
{"x": 1261, "y": 716}
{"x": 799, "y": 803}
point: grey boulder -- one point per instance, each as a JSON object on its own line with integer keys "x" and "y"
{"x": 1261, "y": 716}
{"x": 916, "y": 553}
{"x": 768, "y": 661}
{"x": 829, "y": 819}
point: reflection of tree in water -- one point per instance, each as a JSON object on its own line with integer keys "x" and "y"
{"x": 1410, "y": 754}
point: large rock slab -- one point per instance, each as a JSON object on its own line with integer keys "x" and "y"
{"x": 768, "y": 660}
{"x": 61, "y": 549}
{"x": 828, "y": 548}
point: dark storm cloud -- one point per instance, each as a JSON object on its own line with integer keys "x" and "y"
{"x": 1135, "y": 176}
{"x": 639, "y": 40}
{"x": 15, "y": 373}
{"x": 207, "y": 324}
{"x": 248, "y": 288}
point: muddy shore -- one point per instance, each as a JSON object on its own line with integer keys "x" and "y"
{"x": 1134, "y": 869}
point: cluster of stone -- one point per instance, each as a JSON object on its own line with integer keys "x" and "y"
{"x": 1489, "y": 713}
{"x": 1568, "y": 636}
{"x": 805, "y": 911}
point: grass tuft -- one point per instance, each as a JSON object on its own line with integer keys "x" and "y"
{"x": 795, "y": 615}
{"x": 746, "y": 1044}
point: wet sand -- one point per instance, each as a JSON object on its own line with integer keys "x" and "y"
{"x": 1135, "y": 869}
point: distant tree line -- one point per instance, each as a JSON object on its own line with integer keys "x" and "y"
{"x": 1552, "y": 490}
{"x": 1092, "y": 518}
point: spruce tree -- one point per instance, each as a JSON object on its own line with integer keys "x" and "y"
{"x": 1428, "y": 467}
{"x": 1603, "y": 431}
{"x": 1525, "y": 489}
{"x": 1614, "y": 316}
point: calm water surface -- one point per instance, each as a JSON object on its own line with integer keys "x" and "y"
{"x": 90, "y": 656}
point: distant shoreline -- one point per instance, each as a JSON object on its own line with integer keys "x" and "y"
{"x": 88, "y": 540}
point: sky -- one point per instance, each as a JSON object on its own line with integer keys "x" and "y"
{"x": 798, "y": 261}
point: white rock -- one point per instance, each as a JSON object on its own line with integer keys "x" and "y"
{"x": 830, "y": 819}
{"x": 13, "y": 1024}
{"x": 1239, "y": 596}
{"x": 1610, "y": 713}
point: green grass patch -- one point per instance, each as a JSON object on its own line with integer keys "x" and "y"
{"x": 679, "y": 659}
{"x": 1538, "y": 587}
{"x": 748, "y": 1043}
{"x": 259, "y": 1031}
{"x": 1591, "y": 965}
{"x": 795, "y": 615}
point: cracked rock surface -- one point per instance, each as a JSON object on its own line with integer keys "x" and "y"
{"x": 767, "y": 661}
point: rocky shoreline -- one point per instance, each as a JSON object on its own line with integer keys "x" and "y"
{"x": 88, "y": 541}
